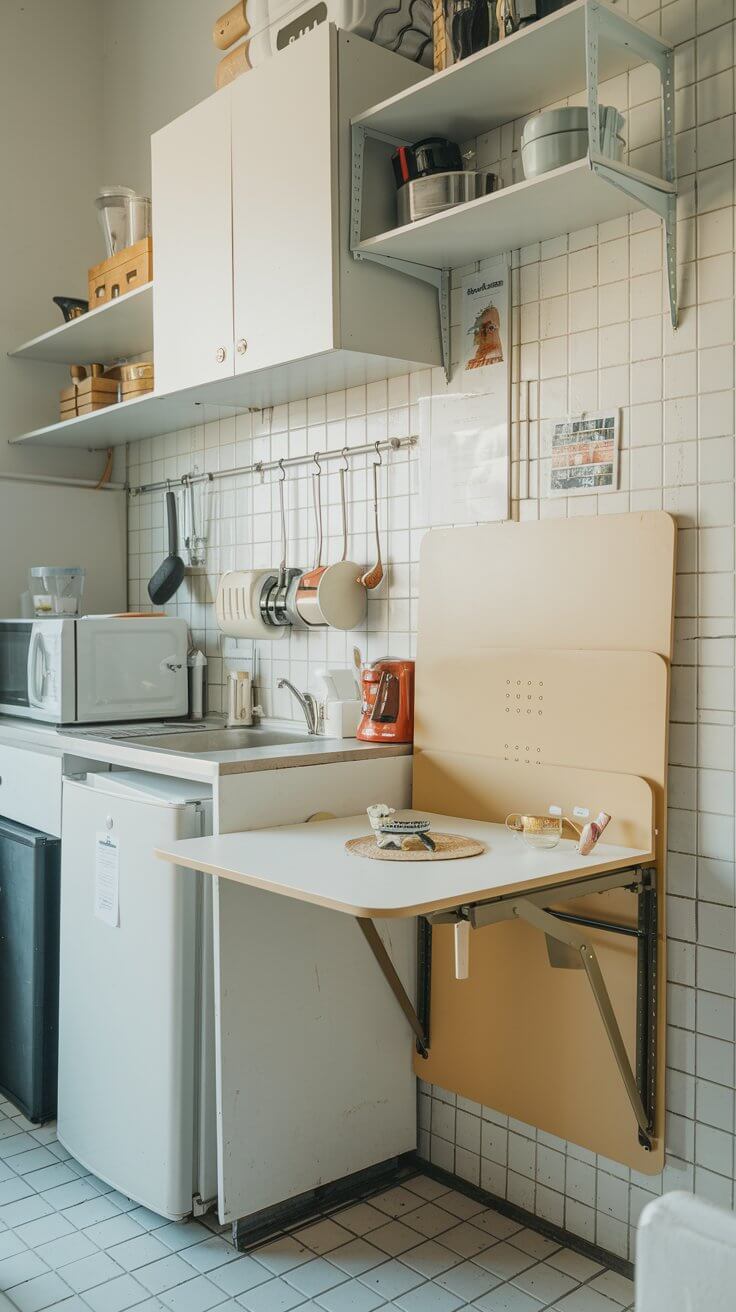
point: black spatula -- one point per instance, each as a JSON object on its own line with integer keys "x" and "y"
{"x": 170, "y": 573}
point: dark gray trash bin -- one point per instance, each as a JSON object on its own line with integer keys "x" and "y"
{"x": 29, "y": 968}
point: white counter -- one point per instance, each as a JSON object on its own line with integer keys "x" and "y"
{"x": 16, "y": 732}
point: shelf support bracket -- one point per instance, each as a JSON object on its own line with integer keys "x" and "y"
{"x": 604, "y": 23}
{"x": 438, "y": 278}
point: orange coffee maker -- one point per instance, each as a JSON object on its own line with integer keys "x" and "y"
{"x": 387, "y": 689}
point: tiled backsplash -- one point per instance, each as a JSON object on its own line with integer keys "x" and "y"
{"x": 592, "y": 330}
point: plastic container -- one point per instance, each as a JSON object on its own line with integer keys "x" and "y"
{"x": 125, "y": 217}
{"x": 139, "y": 218}
{"x": 112, "y": 211}
{"x": 56, "y": 589}
{"x": 560, "y": 136}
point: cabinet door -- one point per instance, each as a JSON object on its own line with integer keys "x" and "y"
{"x": 284, "y": 179}
{"x": 192, "y": 242}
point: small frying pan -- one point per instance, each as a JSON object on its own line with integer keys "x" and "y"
{"x": 170, "y": 573}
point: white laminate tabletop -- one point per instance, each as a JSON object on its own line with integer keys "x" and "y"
{"x": 309, "y": 862}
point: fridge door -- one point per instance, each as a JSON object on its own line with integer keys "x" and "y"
{"x": 29, "y": 968}
{"x": 129, "y": 993}
{"x": 131, "y": 669}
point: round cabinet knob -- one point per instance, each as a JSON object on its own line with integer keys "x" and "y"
{"x": 220, "y": 354}
{"x": 241, "y": 346}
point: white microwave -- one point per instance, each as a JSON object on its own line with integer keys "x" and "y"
{"x": 95, "y": 669}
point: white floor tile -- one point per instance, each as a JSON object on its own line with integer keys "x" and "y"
{"x": 69, "y": 1242}
{"x": 239, "y": 1276}
{"x": 467, "y": 1240}
{"x": 323, "y": 1236}
{"x": 282, "y": 1254}
{"x": 274, "y": 1296}
{"x": 361, "y": 1218}
{"x": 315, "y": 1277}
{"x": 430, "y": 1259}
{"x": 209, "y": 1255}
{"x": 140, "y": 1251}
{"x": 430, "y": 1298}
{"x": 164, "y": 1274}
{"x": 116, "y": 1230}
{"x": 197, "y": 1295}
{"x": 44, "y": 1230}
{"x": 574, "y": 1264}
{"x": 507, "y": 1298}
{"x": 394, "y": 1238}
{"x": 544, "y": 1282}
{"x": 356, "y": 1257}
{"x": 91, "y": 1271}
{"x": 19, "y": 1268}
{"x": 67, "y": 1249}
{"x": 468, "y": 1281}
{"x": 350, "y": 1297}
{"x": 391, "y": 1279}
{"x": 46, "y": 1291}
{"x": 397, "y": 1201}
{"x": 614, "y": 1286}
{"x": 493, "y": 1223}
{"x": 115, "y": 1295}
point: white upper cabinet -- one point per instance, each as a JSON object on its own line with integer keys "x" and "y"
{"x": 284, "y": 135}
{"x": 192, "y": 238}
{"x": 257, "y": 297}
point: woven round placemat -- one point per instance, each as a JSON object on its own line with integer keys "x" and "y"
{"x": 450, "y": 847}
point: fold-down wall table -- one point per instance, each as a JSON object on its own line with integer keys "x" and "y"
{"x": 507, "y": 881}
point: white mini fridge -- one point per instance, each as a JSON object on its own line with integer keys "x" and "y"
{"x": 136, "y": 1012}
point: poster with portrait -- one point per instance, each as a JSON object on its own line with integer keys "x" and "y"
{"x": 484, "y": 327}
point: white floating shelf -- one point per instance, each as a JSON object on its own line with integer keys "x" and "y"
{"x": 115, "y": 331}
{"x": 150, "y": 415}
{"x": 525, "y": 72}
{"x": 570, "y": 198}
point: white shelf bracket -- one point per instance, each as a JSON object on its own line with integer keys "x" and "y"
{"x": 439, "y": 278}
{"x": 605, "y": 23}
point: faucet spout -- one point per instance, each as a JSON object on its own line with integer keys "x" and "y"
{"x": 308, "y": 704}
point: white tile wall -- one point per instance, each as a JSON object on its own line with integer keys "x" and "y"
{"x": 592, "y": 330}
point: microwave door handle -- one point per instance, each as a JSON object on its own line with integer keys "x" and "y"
{"x": 35, "y": 684}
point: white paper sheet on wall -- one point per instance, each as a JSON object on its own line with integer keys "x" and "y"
{"x": 107, "y": 880}
{"x": 463, "y": 459}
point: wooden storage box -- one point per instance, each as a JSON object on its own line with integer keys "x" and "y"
{"x": 123, "y": 272}
{"x": 90, "y": 394}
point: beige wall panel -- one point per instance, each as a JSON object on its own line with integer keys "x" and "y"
{"x": 517, "y": 1035}
{"x": 600, "y": 582}
{"x": 577, "y": 613}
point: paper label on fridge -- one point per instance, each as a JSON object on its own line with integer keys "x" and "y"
{"x": 107, "y": 868}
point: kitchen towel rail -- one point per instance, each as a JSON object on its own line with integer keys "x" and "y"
{"x": 288, "y": 462}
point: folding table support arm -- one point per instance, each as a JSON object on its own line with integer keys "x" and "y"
{"x": 376, "y": 945}
{"x": 568, "y": 934}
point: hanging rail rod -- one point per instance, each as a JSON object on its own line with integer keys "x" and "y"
{"x": 260, "y": 466}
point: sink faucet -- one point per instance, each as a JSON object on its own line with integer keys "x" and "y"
{"x": 308, "y": 704}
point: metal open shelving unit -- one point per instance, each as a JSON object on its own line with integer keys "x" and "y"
{"x": 571, "y": 51}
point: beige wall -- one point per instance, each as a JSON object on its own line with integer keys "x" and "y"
{"x": 158, "y": 60}
{"x": 50, "y": 146}
{"x": 83, "y": 84}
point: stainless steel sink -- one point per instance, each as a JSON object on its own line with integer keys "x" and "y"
{"x": 199, "y": 742}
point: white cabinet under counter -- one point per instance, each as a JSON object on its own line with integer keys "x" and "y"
{"x": 256, "y": 292}
{"x": 279, "y": 1033}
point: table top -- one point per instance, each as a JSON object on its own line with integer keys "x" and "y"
{"x": 309, "y": 862}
